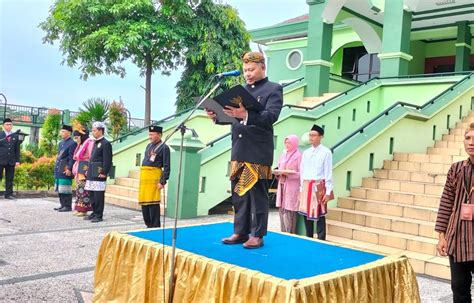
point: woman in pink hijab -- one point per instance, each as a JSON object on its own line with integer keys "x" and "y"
{"x": 289, "y": 185}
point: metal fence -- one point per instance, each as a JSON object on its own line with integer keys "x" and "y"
{"x": 37, "y": 115}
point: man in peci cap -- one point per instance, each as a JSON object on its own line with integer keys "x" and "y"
{"x": 154, "y": 173}
{"x": 252, "y": 154}
{"x": 100, "y": 165}
{"x": 9, "y": 156}
{"x": 316, "y": 183}
{"x": 63, "y": 169}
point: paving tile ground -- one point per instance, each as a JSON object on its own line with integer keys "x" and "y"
{"x": 46, "y": 256}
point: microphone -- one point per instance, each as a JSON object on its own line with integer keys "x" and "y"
{"x": 232, "y": 73}
{"x": 18, "y": 131}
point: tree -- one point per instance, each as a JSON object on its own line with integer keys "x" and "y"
{"x": 222, "y": 40}
{"x": 98, "y": 36}
{"x": 50, "y": 132}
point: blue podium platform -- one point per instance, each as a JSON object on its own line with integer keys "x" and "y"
{"x": 284, "y": 256}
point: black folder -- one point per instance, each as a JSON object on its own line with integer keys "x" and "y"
{"x": 232, "y": 97}
{"x": 82, "y": 167}
{"x": 236, "y": 95}
{"x": 96, "y": 168}
{"x": 63, "y": 165}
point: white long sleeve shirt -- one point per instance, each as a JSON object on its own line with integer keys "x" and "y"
{"x": 316, "y": 164}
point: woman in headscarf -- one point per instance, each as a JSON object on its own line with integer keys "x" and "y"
{"x": 81, "y": 156}
{"x": 289, "y": 184}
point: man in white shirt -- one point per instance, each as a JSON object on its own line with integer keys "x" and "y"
{"x": 316, "y": 183}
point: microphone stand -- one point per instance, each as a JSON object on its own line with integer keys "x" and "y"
{"x": 182, "y": 129}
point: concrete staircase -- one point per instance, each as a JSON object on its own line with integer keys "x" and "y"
{"x": 124, "y": 192}
{"x": 313, "y": 101}
{"x": 394, "y": 212}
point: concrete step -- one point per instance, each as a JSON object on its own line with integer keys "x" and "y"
{"x": 446, "y": 151}
{"x": 422, "y": 263}
{"x": 126, "y": 202}
{"x": 313, "y": 101}
{"x": 409, "y": 198}
{"x": 425, "y": 158}
{"x": 404, "y": 186}
{"x": 128, "y": 182}
{"x": 434, "y": 168}
{"x": 428, "y": 214}
{"x": 385, "y": 222}
{"x": 452, "y": 138}
{"x": 464, "y": 123}
{"x": 377, "y": 236}
{"x": 134, "y": 174}
{"x": 122, "y": 201}
{"x": 457, "y": 131}
{"x": 123, "y": 191}
{"x": 449, "y": 144}
{"x": 403, "y": 175}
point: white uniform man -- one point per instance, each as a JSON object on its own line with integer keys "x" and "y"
{"x": 316, "y": 183}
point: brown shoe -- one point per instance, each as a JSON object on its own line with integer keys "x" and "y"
{"x": 235, "y": 239}
{"x": 253, "y": 242}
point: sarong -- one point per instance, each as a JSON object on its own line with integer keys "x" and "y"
{"x": 311, "y": 204}
{"x": 148, "y": 192}
{"x": 63, "y": 186}
{"x": 83, "y": 203}
{"x": 248, "y": 174}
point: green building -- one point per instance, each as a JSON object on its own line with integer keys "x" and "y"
{"x": 392, "y": 84}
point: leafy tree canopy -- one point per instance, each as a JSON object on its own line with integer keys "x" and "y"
{"x": 216, "y": 41}
{"x": 98, "y": 36}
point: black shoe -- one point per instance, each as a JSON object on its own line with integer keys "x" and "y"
{"x": 58, "y": 208}
{"x": 89, "y": 217}
{"x": 10, "y": 198}
{"x": 96, "y": 219}
{"x": 64, "y": 209}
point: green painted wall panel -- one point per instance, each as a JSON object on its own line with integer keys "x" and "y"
{"x": 417, "y": 64}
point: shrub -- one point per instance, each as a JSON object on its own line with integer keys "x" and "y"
{"x": 21, "y": 179}
{"x": 27, "y": 156}
{"x": 35, "y": 150}
{"x": 117, "y": 118}
{"x": 50, "y": 132}
{"x": 41, "y": 173}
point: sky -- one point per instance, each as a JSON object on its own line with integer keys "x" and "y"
{"x": 31, "y": 72}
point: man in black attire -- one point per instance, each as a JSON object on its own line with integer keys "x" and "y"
{"x": 9, "y": 156}
{"x": 63, "y": 169}
{"x": 101, "y": 156}
{"x": 154, "y": 173}
{"x": 252, "y": 154}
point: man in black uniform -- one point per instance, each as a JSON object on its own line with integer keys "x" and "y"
{"x": 96, "y": 181}
{"x": 252, "y": 154}
{"x": 9, "y": 156}
{"x": 154, "y": 173}
{"x": 63, "y": 169}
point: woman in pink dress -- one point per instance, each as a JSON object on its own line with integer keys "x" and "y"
{"x": 289, "y": 185}
{"x": 82, "y": 153}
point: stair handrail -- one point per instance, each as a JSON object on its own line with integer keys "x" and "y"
{"x": 431, "y": 101}
{"x": 292, "y": 82}
{"x": 322, "y": 104}
{"x": 120, "y": 139}
{"x": 402, "y": 104}
{"x": 356, "y": 82}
